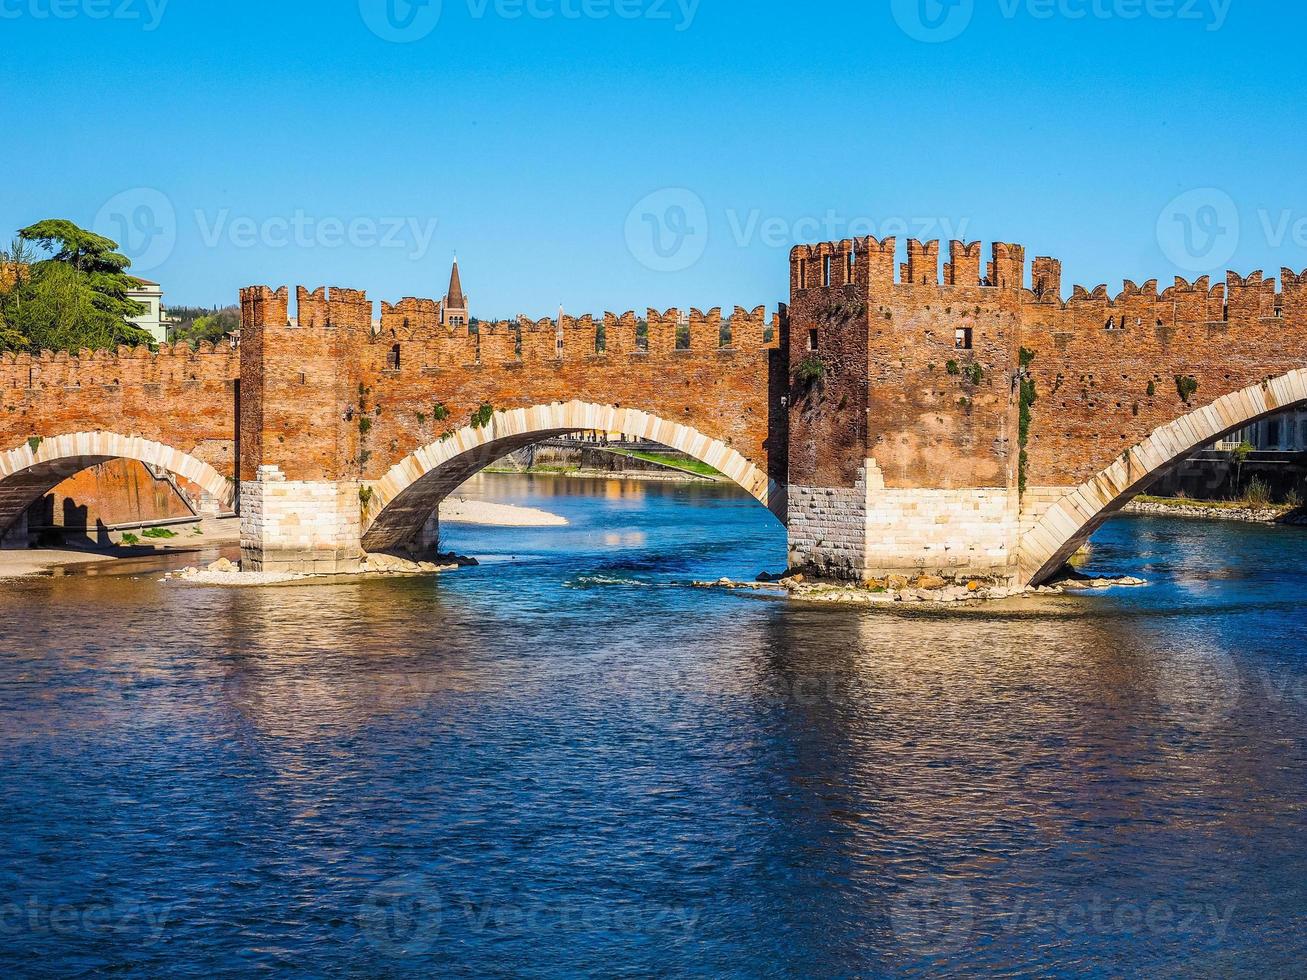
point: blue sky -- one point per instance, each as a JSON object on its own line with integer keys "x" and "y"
{"x": 614, "y": 154}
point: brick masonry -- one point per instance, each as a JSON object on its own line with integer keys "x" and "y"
{"x": 878, "y": 413}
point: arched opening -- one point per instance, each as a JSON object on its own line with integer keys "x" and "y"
{"x": 1068, "y": 523}
{"x": 402, "y": 501}
{"x": 30, "y": 471}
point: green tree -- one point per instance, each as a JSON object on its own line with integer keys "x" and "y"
{"x": 212, "y": 327}
{"x": 76, "y": 297}
{"x": 1238, "y": 456}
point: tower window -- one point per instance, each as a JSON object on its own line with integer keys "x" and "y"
{"x": 812, "y": 339}
{"x": 825, "y": 271}
{"x": 392, "y": 359}
{"x": 962, "y": 338}
{"x": 803, "y": 273}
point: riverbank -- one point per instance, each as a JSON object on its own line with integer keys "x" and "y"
{"x": 608, "y": 462}
{"x": 1219, "y": 510}
{"x": 224, "y": 532}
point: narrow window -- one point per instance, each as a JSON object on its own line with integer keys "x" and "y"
{"x": 803, "y": 273}
{"x": 853, "y": 256}
{"x": 825, "y": 271}
{"x": 812, "y": 339}
{"x": 392, "y": 361}
{"x": 962, "y": 338}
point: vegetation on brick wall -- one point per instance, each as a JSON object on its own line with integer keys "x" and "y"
{"x": 1186, "y": 386}
{"x": 1028, "y": 397}
{"x": 809, "y": 371}
{"x": 482, "y": 416}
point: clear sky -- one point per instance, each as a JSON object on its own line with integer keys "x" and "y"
{"x": 615, "y": 154}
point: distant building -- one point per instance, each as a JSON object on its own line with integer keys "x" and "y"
{"x": 1282, "y": 432}
{"x": 154, "y": 320}
{"x": 453, "y": 308}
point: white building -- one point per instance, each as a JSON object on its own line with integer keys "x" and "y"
{"x": 154, "y": 320}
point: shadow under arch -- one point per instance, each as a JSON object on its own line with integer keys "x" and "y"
{"x": 30, "y": 471}
{"x": 1068, "y": 523}
{"x": 411, "y": 491}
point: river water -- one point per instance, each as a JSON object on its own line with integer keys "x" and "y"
{"x": 566, "y": 762}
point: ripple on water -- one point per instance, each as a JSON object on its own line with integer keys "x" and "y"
{"x": 545, "y": 765}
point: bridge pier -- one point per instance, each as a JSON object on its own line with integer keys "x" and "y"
{"x": 870, "y": 531}
{"x": 299, "y": 525}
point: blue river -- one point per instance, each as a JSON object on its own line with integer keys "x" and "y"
{"x": 567, "y": 762}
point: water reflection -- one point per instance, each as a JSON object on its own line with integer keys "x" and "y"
{"x": 582, "y": 765}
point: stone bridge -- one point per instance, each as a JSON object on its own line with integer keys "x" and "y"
{"x": 896, "y": 418}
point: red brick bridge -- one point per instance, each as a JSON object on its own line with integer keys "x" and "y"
{"x": 896, "y": 418}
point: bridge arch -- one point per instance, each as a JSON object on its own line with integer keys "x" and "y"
{"x": 33, "y": 469}
{"x": 410, "y": 492}
{"x": 1066, "y": 525}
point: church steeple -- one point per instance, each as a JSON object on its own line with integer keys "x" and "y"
{"x": 455, "y": 295}
{"x": 453, "y": 309}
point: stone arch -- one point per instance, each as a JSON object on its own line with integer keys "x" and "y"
{"x": 1066, "y": 525}
{"x": 33, "y": 469}
{"x": 411, "y": 491}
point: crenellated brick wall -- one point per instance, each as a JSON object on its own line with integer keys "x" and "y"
{"x": 879, "y": 412}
